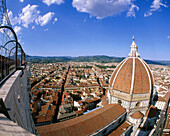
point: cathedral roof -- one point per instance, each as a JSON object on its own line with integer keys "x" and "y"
{"x": 85, "y": 124}
{"x": 152, "y": 112}
{"x": 137, "y": 115}
{"x": 132, "y": 75}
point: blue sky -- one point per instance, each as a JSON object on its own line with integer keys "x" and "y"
{"x": 92, "y": 27}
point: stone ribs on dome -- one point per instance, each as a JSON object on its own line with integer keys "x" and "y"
{"x": 122, "y": 79}
{"x": 132, "y": 75}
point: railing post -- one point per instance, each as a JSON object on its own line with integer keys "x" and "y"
{"x": 21, "y": 56}
{"x": 24, "y": 58}
{"x": 1, "y": 68}
{"x": 16, "y": 56}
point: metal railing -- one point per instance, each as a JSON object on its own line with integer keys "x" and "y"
{"x": 12, "y": 56}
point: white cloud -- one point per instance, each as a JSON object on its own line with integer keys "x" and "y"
{"x": 131, "y": 12}
{"x": 55, "y": 20}
{"x": 45, "y": 29}
{"x": 13, "y": 20}
{"x": 2, "y": 30}
{"x": 148, "y": 13}
{"x": 168, "y": 36}
{"x": 43, "y": 20}
{"x": 49, "y": 2}
{"x": 17, "y": 30}
{"x": 28, "y": 15}
{"x": 21, "y": 0}
{"x": 156, "y": 5}
{"x": 104, "y": 8}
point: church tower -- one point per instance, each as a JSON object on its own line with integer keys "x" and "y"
{"x": 131, "y": 84}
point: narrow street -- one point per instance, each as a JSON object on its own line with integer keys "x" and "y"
{"x": 60, "y": 99}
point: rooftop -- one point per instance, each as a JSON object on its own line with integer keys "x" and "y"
{"x": 85, "y": 124}
{"x": 137, "y": 115}
{"x": 152, "y": 112}
{"x": 121, "y": 129}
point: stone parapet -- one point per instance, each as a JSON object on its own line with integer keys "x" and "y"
{"x": 15, "y": 97}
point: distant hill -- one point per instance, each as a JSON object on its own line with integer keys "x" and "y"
{"x": 97, "y": 58}
{"x": 153, "y": 62}
{"x": 41, "y": 59}
{"x": 164, "y": 62}
{"x": 102, "y": 59}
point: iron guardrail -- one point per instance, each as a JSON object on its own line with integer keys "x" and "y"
{"x": 12, "y": 56}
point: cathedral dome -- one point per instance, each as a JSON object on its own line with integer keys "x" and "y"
{"x": 131, "y": 84}
{"x": 132, "y": 75}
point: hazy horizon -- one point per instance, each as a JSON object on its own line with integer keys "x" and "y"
{"x": 91, "y": 56}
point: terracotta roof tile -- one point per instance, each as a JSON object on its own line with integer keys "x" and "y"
{"x": 121, "y": 129}
{"x": 123, "y": 80}
{"x": 114, "y": 73}
{"x": 124, "y": 77}
{"x": 167, "y": 96}
{"x": 85, "y": 124}
{"x": 167, "y": 126}
{"x": 141, "y": 80}
{"x": 137, "y": 115}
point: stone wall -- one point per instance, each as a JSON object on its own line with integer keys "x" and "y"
{"x": 15, "y": 96}
{"x": 142, "y": 106}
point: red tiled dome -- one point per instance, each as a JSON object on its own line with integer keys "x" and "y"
{"x": 133, "y": 75}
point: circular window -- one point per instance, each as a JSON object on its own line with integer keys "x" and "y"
{"x": 119, "y": 102}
